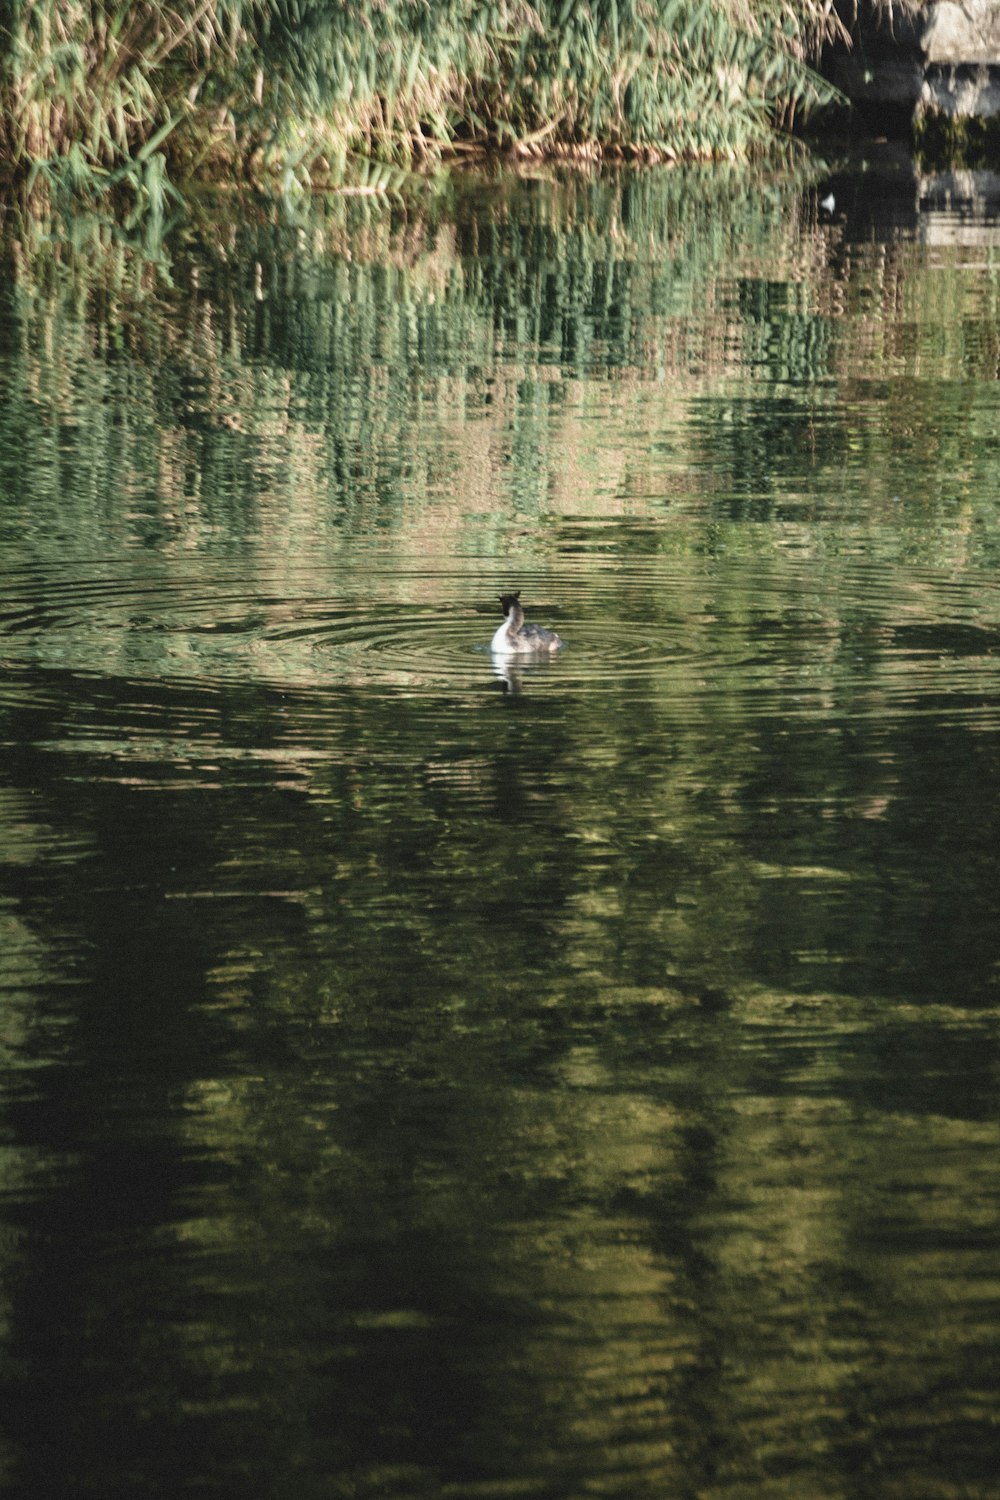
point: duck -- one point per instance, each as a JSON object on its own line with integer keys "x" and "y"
{"x": 515, "y": 636}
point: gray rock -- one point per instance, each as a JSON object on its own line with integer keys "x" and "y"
{"x": 966, "y": 32}
{"x": 961, "y": 91}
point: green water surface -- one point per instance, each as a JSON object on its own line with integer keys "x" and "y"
{"x": 423, "y": 1075}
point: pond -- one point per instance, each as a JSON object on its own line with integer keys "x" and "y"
{"x": 430, "y": 1074}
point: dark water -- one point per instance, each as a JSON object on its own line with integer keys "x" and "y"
{"x": 425, "y": 1079}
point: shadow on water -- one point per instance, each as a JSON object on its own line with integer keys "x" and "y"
{"x": 426, "y": 1076}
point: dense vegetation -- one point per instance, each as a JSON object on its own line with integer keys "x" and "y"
{"x": 96, "y": 94}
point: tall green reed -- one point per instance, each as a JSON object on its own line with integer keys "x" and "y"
{"x": 105, "y": 95}
{"x": 93, "y": 92}
{"x": 654, "y": 78}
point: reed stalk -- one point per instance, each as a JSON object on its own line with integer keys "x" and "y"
{"x": 103, "y": 94}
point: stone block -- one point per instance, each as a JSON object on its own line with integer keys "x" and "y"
{"x": 966, "y": 32}
{"x": 969, "y": 90}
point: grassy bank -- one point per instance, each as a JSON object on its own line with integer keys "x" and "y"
{"x": 107, "y": 94}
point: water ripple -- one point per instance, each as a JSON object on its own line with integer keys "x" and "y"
{"x": 860, "y": 639}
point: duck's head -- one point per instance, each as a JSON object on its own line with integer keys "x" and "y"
{"x": 510, "y": 602}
